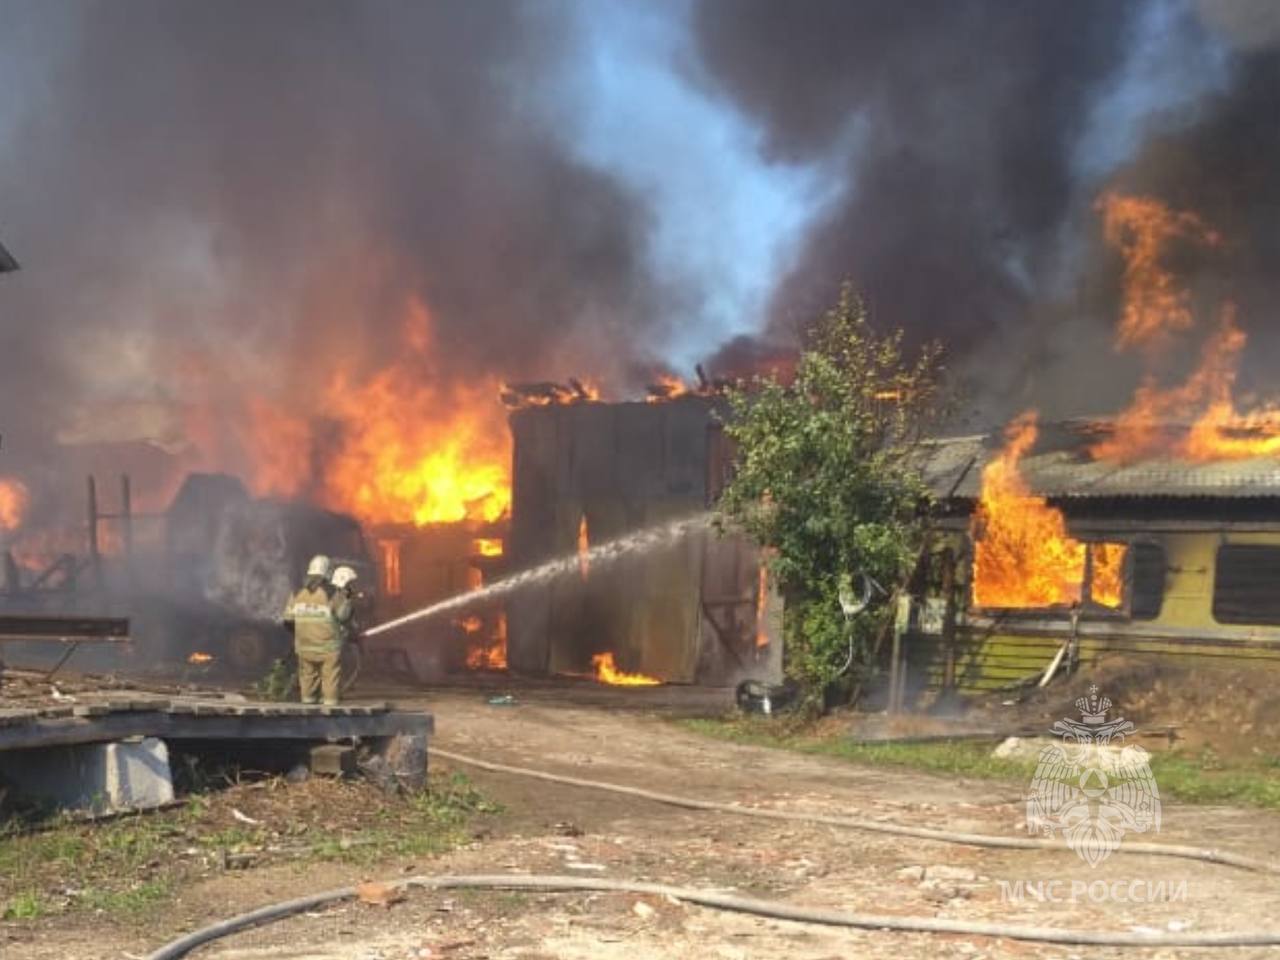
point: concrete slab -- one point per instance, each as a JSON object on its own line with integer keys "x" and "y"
{"x": 93, "y": 778}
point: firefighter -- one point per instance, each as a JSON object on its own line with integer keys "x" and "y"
{"x": 317, "y": 638}
{"x": 344, "y": 602}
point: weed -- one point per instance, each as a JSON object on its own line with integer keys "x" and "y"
{"x": 130, "y": 901}
{"x": 27, "y": 905}
{"x": 278, "y": 683}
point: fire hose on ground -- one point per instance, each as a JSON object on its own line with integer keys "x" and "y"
{"x": 720, "y": 901}
{"x": 767, "y": 909}
{"x": 1223, "y": 857}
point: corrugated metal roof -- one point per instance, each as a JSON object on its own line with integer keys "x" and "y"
{"x": 953, "y": 468}
{"x": 7, "y": 263}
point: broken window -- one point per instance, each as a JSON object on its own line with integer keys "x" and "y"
{"x": 1244, "y": 584}
{"x": 1093, "y": 574}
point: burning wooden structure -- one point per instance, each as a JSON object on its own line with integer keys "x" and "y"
{"x": 588, "y": 473}
{"x": 1160, "y": 556}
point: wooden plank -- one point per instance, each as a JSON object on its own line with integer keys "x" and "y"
{"x": 12, "y": 716}
{"x": 313, "y": 726}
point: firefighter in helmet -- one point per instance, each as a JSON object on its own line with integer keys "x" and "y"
{"x": 317, "y": 636}
{"x": 344, "y": 601}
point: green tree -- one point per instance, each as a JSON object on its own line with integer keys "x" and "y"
{"x": 825, "y": 479}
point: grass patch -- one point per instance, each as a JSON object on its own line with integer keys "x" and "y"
{"x": 127, "y": 866}
{"x": 130, "y": 901}
{"x": 27, "y": 905}
{"x": 1204, "y": 778}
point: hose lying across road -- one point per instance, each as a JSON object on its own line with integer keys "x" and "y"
{"x": 764, "y": 908}
{"x": 719, "y": 901}
{"x": 876, "y": 826}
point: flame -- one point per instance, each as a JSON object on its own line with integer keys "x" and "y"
{"x": 487, "y": 546}
{"x": 1106, "y": 586}
{"x": 415, "y": 456}
{"x": 1023, "y": 556}
{"x": 1218, "y": 431}
{"x": 608, "y": 672}
{"x": 14, "y": 498}
{"x": 390, "y": 549}
{"x": 471, "y": 624}
{"x": 200, "y": 658}
{"x": 1143, "y": 229}
{"x": 667, "y": 387}
{"x": 762, "y": 598}
{"x": 491, "y": 655}
{"x": 395, "y": 445}
{"x": 584, "y": 548}
{"x": 1155, "y": 306}
{"x": 547, "y": 394}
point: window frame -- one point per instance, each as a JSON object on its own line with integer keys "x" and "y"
{"x": 1217, "y": 579}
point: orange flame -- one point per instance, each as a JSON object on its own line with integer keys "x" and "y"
{"x": 487, "y": 546}
{"x": 1143, "y": 229}
{"x": 390, "y": 549}
{"x": 667, "y": 387}
{"x": 395, "y": 446}
{"x": 1155, "y": 306}
{"x": 1023, "y": 556}
{"x": 584, "y": 548}
{"x": 14, "y": 498}
{"x": 608, "y": 672}
{"x": 1205, "y": 400}
{"x": 487, "y": 656}
{"x": 762, "y": 597}
{"x": 1106, "y": 582}
{"x": 200, "y": 658}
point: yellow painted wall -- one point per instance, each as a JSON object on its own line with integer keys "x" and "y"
{"x": 990, "y": 655}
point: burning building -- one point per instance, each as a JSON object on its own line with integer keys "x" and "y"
{"x": 697, "y": 609}
{"x": 1058, "y": 557}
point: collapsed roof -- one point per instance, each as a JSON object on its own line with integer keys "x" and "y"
{"x": 1060, "y": 466}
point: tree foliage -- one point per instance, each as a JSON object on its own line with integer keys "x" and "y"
{"x": 825, "y": 478}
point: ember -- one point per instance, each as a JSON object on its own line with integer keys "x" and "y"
{"x": 608, "y": 672}
{"x": 198, "y": 658}
{"x": 584, "y": 548}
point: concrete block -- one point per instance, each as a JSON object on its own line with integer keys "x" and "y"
{"x": 399, "y": 762}
{"x": 93, "y": 777}
{"x": 334, "y": 760}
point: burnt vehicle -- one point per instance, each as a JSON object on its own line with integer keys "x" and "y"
{"x": 203, "y": 584}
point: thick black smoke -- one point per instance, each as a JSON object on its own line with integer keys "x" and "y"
{"x": 957, "y": 127}
{"x": 214, "y": 200}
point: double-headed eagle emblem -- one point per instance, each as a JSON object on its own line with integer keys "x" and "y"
{"x": 1091, "y": 786}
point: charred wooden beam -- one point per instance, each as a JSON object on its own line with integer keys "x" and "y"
{"x": 63, "y": 628}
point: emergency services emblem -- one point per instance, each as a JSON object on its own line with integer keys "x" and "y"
{"x": 1091, "y": 786}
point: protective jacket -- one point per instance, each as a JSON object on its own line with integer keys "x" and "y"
{"x": 315, "y": 622}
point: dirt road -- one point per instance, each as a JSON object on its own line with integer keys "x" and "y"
{"x": 547, "y": 828}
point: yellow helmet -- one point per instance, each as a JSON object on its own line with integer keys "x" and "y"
{"x": 343, "y": 576}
